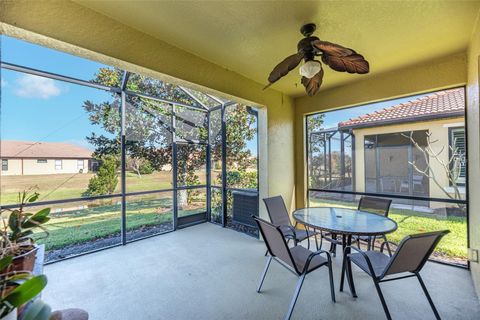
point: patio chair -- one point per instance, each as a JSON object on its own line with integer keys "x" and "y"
{"x": 299, "y": 260}
{"x": 369, "y": 204}
{"x": 378, "y": 206}
{"x": 410, "y": 257}
{"x": 277, "y": 211}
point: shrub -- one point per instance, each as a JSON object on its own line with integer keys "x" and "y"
{"x": 146, "y": 167}
{"x": 106, "y": 179}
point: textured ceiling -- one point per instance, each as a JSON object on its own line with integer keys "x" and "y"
{"x": 250, "y": 37}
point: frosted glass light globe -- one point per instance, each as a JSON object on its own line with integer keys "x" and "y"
{"x": 310, "y": 68}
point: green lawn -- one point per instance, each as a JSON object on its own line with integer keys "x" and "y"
{"x": 453, "y": 245}
{"x": 83, "y": 221}
{"x": 67, "y": 186}
{"x": 75, "y": 226}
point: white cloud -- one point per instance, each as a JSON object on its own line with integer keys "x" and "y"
{"x": 30, "y": 86}
{"x": 3, "y": 83}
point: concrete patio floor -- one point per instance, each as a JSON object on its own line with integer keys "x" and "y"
{"x": 207, "y": 272}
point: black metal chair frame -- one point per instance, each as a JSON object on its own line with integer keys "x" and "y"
{"x": 293, "y": 228}
{"x": 381, "y": 278}
{"x": 300, "y": 274}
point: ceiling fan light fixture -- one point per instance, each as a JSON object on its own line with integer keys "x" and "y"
{"x": 310, "y": 68}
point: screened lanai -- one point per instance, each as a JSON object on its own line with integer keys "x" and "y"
{"x": 239, "y": 159}
{"x": 330, "y": 159}
{"x": 138, "y": 156}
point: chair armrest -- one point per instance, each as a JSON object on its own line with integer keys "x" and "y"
{"x": 292, "y": 229}
{"x": 316, "y": 253}
{"x": 369, "y": 263}
{"x": 306, "y": 229}
{"x": 382, "y": 246}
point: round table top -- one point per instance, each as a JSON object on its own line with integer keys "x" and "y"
{"x": 345, "y": 221}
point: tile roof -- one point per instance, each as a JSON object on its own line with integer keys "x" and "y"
{"x": 30, "y": 149}
{"x": 441, "y": 104}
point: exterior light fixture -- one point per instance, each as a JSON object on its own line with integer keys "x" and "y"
{"x": 310, "y": 68}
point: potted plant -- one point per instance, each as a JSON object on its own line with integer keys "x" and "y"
{"x": 17, "y": 289}
{"x": 16, "y": 232}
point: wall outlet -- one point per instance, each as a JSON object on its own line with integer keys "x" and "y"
{"x": 472, "y": 255}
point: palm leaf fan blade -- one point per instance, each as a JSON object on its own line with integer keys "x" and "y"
{"x": 313, "y": 84}
{"x": 332, "y": 49}
{"x": 284, "y": 67}
{"x": 354, "y": 63}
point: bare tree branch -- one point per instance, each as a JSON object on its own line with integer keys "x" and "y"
{"x": 452, "y": 168}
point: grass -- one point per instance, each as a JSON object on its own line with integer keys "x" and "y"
{"x": 77, "y": 226}
{"x": 68, "y": 186}
{"x": 84, "y": 221}
{"x": 453, "y": 245}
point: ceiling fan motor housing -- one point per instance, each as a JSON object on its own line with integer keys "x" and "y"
{"x": 305, "y": 45}
{"x": 308, "y": 29}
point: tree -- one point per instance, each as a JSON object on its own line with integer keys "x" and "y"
{"x": 315, "y": 122}
{"x": 149, "y": 133}
{"x": 106, "y": 179}
{"x": 239, "y": 130}
{"x": 316, "y": 143}
{"x": 452, "y": 164}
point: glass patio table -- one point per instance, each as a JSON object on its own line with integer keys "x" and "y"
{"x": 345, "y": 222}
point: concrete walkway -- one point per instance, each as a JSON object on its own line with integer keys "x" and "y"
{"x": 207, "y": 272}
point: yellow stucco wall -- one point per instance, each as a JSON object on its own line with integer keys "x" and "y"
{"x": 438, "y": 74}
{"x": 473, "y": 122}
{"x": 86, "y": 33}
{"x": 439, "y": 130}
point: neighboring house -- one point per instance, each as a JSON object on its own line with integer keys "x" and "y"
{"x": 36, "y": 158}
{"x": 384, "y": 151}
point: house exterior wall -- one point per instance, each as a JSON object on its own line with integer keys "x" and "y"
{"x": 32, "y": 167}
{"x": 14, "y": 168}
{"x": 439, "y": 130}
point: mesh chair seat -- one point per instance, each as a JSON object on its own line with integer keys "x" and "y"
{"x": 378, "y": 260}
{"x": 300, "y": 256}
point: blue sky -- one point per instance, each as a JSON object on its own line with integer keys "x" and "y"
{"x": 40, "y": 109}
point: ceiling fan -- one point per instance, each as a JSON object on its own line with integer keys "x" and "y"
{"x": 335, "y": 56}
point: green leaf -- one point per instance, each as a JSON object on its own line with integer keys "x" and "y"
{"x": 32, "y": 223}
{"x": 13, "y": 220}
{"x": 38, "y": 218}
{"x": 5, "y": 262}
{"x": 33, "y": 197}
{"x": 38, "y": 310}
{"x": 26, "y": 291}
{"x": 42, "y": 213}
{"x": 23, "y": 234}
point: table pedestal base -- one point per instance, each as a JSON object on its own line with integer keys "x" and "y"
{"x": 347, "y": 265}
